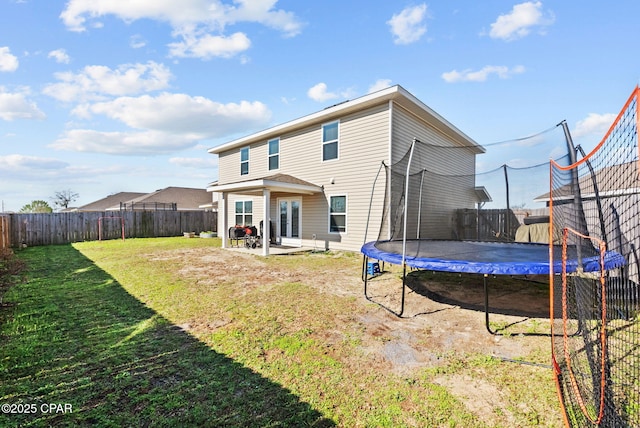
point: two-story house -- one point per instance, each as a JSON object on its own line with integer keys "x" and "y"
{"x": 312, "y": 178}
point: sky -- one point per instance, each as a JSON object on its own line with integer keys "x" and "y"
{"x": 103, "y": 96}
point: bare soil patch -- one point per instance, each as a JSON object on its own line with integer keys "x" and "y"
{"x": 444, "y": 313}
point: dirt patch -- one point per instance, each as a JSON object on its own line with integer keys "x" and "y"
{"x": 481, "y": 398}
{"x": 444, "y": 314}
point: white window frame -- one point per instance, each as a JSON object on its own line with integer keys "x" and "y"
{"x": 275, "y": 155}
{"x": 244, "y": 212}
{"x": 335, "y": 141}
{"x": 346, "y": 205}
{"x": 243, "y": 162}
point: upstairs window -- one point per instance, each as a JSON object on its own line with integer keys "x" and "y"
{"x": 274, "y": 154}
{"x": 244, "y": 161}
{"x": 330, "y": 141}
{"x": 337, "y": 214}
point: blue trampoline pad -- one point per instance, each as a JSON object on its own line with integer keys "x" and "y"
{"x": 496, "y": 258}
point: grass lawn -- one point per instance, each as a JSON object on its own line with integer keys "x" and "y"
{"x": 129, "y": 333}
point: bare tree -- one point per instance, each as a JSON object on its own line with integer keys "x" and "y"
{"x": 63, "y": 198}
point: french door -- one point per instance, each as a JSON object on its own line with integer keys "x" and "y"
{"x": 290, "y": 221}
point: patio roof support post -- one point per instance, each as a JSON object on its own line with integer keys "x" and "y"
{"x": 266, "y": 226}
{"x": 223, "y": 221}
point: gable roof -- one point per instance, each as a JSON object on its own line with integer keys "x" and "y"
{"x": 396, "y": 93}
{"x": 276, "y": 183}
{"x": 185, "y": 198}
{"x": 105, "y": 203}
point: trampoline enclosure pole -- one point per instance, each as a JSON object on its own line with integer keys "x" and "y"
{"x": 404, "y": 232}
{"x": 507, "y": 221}
{"x": 406, "y": 203}
{"x": 373, "y": 189}
{"x": 420, "y": 204}
{"x": 581, "y": 221}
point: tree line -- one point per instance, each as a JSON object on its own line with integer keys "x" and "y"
{"x": 61, "y": 200}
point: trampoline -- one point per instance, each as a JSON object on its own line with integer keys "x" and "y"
{"x": 486, "y": 258}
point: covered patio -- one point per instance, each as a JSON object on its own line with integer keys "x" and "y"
{"x": 266, "y": 188}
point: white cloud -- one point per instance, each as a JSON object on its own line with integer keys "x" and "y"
{"x": 320, "y": 93}
{"x": 96, "y": 81}
{"x": 193, "y": 21}
{"x": 8, "y": 62}
{"x": 594, "y": 124}
{"x": 122, "y": 143}
{"x": 196, "y": 163}
{"x": 408, "y": 26}
{"x": 519, "y": 22}
{"x": 60, "y": 55}
{"x": 483, "y": 74}
{"x": 379, "y": 85}
{"x": 209, "y": 46}
{"x": 181, "y": 114}
{"x": 17, "y": 162}
{"x": 137, "y": 41}
{"x": 16, "y": 105}
{"x": 162, "y": 124}
{"x": 262, "y": 11}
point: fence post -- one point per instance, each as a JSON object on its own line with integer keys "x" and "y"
{"x": 5, "y": 235}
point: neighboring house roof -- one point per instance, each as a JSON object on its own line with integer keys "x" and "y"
{"x": 185, "y": 198}
{"x": 105, "y": 203}
{"x": 626, "y": 181}
{"x": 276, "y": 182}
{"x": 394, "y": 93}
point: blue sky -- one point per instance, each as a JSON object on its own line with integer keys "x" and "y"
{"x": 103, "y": 96}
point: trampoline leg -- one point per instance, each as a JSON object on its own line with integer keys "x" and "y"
{"x": 486, "y": 304}
{"x": 404, "y": 284}
{"x": 365, "y": 277}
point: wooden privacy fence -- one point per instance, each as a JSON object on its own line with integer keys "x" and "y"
{"x": 486, "y": 225}
{"x": 493, "y": 224}
{"x": 63, "y": 228}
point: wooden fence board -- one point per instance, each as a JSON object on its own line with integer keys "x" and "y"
{"x": 63, "y": 228}
{"x": 5, "y": 241}
{"x": 486, "y": 225}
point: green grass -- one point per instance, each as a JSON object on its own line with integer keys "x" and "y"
{"x": 95, "y": 326}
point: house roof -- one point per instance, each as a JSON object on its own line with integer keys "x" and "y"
{"x": 627, "y": 181}
{"x": 275, "y": 183}
{"x": 396, "y": 93}
{"x": 185, "y": 198}
{"x": 105, "y": 203}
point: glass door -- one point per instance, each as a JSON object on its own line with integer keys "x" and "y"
{"x": 290, "y": 222}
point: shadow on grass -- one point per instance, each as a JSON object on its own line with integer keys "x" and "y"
{"x": 75, "y": 339}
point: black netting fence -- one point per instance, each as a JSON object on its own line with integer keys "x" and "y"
{"x": 436, "y": 192}
{"x": 596, "y": 347}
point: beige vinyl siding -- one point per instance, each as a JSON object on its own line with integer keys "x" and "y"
{"x": 363, "y": 145}
{"x": 229, "y": 164}
{"x": 449, "y": 180}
